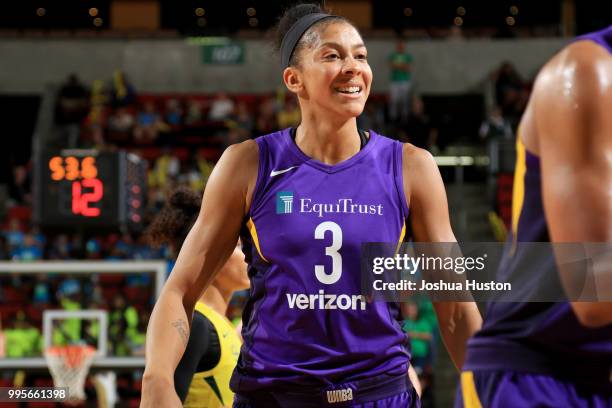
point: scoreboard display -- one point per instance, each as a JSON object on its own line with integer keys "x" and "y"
{"x": 80, "y": 189}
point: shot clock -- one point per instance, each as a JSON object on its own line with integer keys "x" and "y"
{"x": 81, "y": 189}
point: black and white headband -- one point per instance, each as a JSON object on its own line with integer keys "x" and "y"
{"x": 293, "y": 35}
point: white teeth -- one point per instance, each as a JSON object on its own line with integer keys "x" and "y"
{"x": 350, "y": 89}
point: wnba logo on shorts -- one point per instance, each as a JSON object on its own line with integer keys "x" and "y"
{"x": 340, "y": 395}
{"x": 284, "y": 202}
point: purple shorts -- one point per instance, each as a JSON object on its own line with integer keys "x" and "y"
{"x": 403, "y": 400}
{"x": 510, "y": 389}
{"x": 379, "y": 392}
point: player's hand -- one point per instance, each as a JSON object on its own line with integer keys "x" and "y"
{"x": 158, "y": 393}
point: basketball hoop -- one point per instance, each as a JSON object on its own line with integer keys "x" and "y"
{"x": 69, "y": 366}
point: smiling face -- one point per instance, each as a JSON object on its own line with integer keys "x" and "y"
{"x": 332, "y": 76}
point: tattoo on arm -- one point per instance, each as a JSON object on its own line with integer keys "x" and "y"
{"x": 183, "y": 329}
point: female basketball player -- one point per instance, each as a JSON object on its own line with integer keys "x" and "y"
{"x": 303, "y": 201}
{"x": 202, "y": 376}
{"x": 531, "y": 355}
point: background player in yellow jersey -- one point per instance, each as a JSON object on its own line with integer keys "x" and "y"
{"x": 202, "y": 376}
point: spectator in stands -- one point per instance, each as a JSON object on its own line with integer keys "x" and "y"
{"x": 266, "y": 117}
{"x": 68, "y": 294}
{"x": 418, "y": 127}
{"x": 91, "y": 327}
{"x": 194, "y": 112}
{"x": 239, "y": 124}
{"x": 42, "y": 292}
{"x": 22, "y": 339}
{"x": 166, "y": 168}
{"x": 143, "y": 251}
{"x": 497, "y": 133}
{"x": 139, "y": 337}
{"x": 15, "y": 235}
{"x": 400, "y": 86}
{"x": 123, "y": 247}
{"x": 289, "y": 114}
{"x": 71, "y": 108}
{"x": 122, "y": 91}
{"x": 221, "y": 107}
{"x": 61, "y": 248}
{"x": 123, "y": 325}
{"x": 93, "y": 249}
{"x": 92, "y": 134}
{"x": 508, "y": 88}
{"x": 191, "y": 174}
{"x": 373, "y": 116}
{"x": 496, "y": 127}
{"x": 20, "y": 188}
{"x": 28, "y": 251}
{"x": 120, "y": 125}
{"x": 174, "y": 113}
{"x": 148, "y": 124}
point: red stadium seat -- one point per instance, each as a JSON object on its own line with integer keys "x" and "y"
{"x": 42, "y": 404}
{"x": 13, "y": 295}
{"x": 108, "y": 279}
{"x": 43, "y": 382}
{"x": 8, "y": 312}
{"x": 22, "y": 213}
{"x": 6, "y": 383}
{"x": 34, "y": 314}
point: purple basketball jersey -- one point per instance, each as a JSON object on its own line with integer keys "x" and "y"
{"x": 305, "y": 322}
{"x": 544, "y": 338}
{"x": 602, "y": 37}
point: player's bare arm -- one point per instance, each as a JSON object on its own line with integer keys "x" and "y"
{"x": 426, "y": 196}
{"x": 206, "y": 249}
{"x": 573, "y": 136}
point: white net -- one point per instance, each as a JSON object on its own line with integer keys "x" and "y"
{"x": 69, "y": 366}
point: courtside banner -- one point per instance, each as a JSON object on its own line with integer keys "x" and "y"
{"x": 487, "y": 271}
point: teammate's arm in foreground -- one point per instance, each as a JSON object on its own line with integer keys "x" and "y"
{"x": 569, "y": 124}
{"x": 206, "y": 249}
{"x": 426, "y": 196}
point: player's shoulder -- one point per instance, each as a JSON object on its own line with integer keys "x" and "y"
{"x": 243, "y": 155}
{"x": 581, "y": 63}
{"x": 416, "y": 158}
{"x": 243, "y": 149}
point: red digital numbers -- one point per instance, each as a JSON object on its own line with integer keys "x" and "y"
{"x": 81, "y": 200}
{"x": 82, "y": 172}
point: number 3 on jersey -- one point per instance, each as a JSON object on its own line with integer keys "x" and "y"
{"x": 331, "y": 251}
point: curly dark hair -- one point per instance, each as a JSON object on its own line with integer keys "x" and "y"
{"x": 173, "y": 222}
{"x": 293, "y": 14}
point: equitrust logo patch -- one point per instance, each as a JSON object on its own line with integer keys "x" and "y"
{"x": 284, "y": 202}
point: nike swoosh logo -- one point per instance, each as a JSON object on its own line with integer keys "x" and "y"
{"x": 277, "y": 172}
